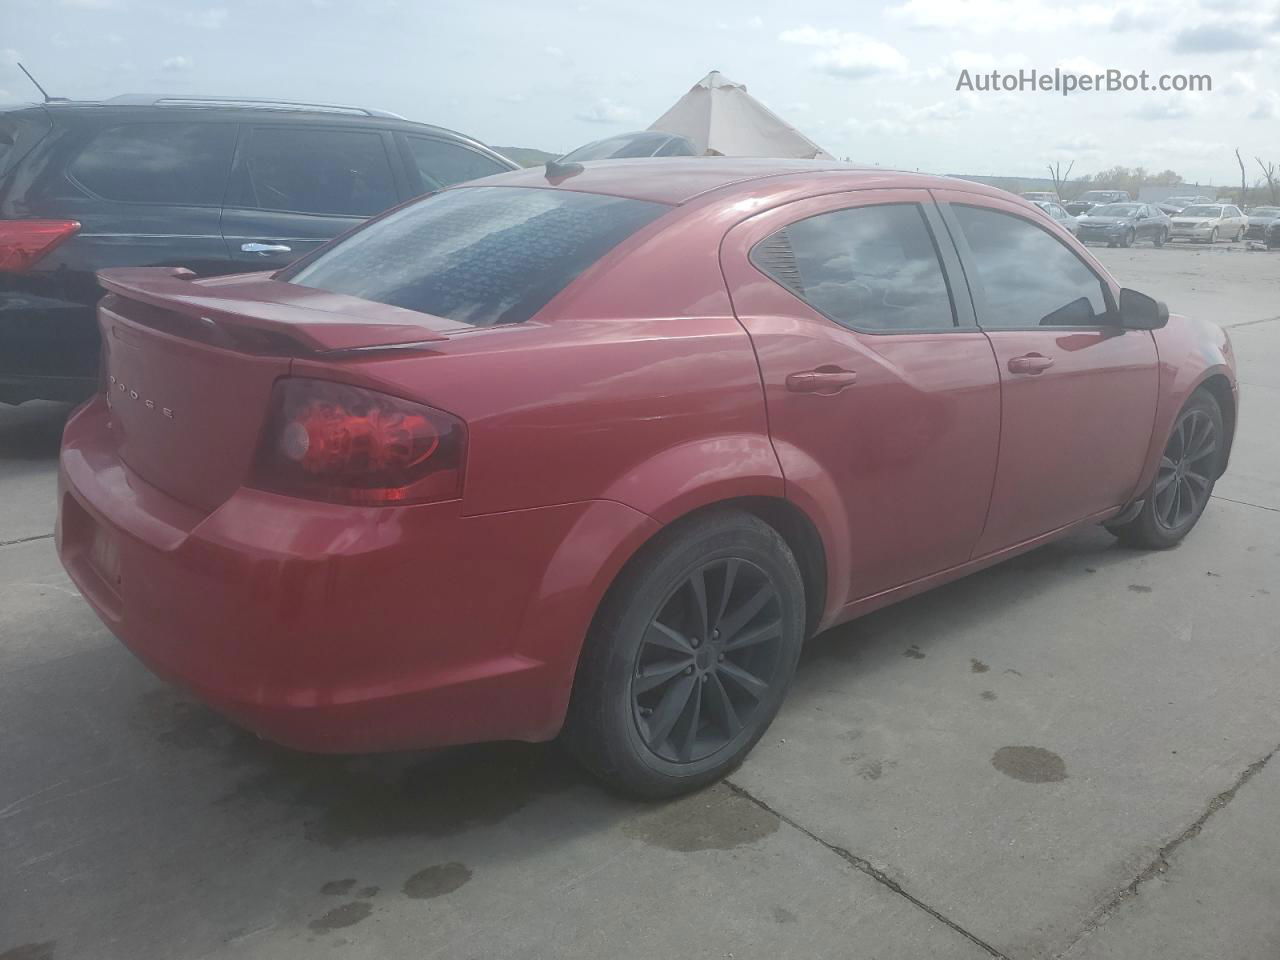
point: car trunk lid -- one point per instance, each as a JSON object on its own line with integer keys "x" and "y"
{"x": 190, "y": 366}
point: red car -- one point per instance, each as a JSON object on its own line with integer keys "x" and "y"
{"x": 597, "y": 449}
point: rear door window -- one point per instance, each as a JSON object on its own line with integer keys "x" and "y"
{"x": 478, "y": 255}
{"x": 174, "y": 163}
{"x": 299, "y": 169}
{"x": 442, "y": 164}
{"x": 871, "y": 268}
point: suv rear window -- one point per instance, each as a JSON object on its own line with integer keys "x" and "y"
{"x": 179, "y": 163}
{"x": 478, "y": 255}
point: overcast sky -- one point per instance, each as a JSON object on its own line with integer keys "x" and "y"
{"x": 871, "y": 81}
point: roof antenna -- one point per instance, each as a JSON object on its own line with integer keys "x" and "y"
{"x": 559, "y": 171}
{"x": 43, "y": 92}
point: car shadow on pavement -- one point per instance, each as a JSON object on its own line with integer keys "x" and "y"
{"x": 33, "y": 430}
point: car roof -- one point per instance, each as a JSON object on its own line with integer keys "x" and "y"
{"x": 678, "y": 180}
{"x": 238, "y": 109}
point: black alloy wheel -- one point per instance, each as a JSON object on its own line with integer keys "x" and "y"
{"x": 689, "y": 657}
{"x": 1190, "y": 466}
{"x": 1184, "y": 478}
{"x": 707, "y": 660}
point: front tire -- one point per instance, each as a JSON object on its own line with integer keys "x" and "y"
{"x": 689, "y": 657}
{"x": 1213, "y": 236}
{"x": 1184, "y": 481}
{"x": 1128, "y": 239}
{"x": 1161, "y": 238}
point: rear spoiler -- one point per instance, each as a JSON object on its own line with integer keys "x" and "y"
{"x": 316, "y": 321}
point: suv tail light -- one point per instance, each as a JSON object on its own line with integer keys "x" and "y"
{"x": 23, "y": 242}
{"x": 330, "y": 441}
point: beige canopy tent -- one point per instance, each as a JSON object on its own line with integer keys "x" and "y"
{"x": 721, "y": 118}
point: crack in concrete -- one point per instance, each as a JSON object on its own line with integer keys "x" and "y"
{"x": 38, "y": 536}
{"x": 865, "y": 866}
{"x": 1249, "y": 323}
{"x": 1245, "y": 503}
{"x": 1160, "y": 863}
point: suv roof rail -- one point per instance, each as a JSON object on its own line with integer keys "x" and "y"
{"x": 251, "y": 103}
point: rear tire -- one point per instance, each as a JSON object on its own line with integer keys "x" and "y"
{"x": 689, "y": 657}
{"x": 1189, "y": 468}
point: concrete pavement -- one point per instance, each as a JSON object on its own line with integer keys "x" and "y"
{"x": 1067, "y": 755}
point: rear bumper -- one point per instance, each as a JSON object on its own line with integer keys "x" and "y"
{"x": 339, "y": 629}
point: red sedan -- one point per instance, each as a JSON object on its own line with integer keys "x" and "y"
{"x": 596, "y": 449}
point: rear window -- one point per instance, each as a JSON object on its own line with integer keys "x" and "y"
{"x": 478, "y": 255}
{"x": 179, "y": 163}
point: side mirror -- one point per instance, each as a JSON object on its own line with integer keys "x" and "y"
{"x": 1140, "y": 312}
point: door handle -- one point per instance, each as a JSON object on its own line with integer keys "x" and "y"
{"x": 824, "y": 380}
{"x": 265, "y": 248}
{"x": 1032, "y": 363}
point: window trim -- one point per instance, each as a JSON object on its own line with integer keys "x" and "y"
{"x": 969, "y": 263}
{"x": 935, "y": 230}
{"x": 398, "y": 185}
{"x": 94, "y": 133}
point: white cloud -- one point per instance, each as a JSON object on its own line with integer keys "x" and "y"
{"x": 1168, "y": 108}
{"x": 1240, "y": 83}
{"x": 989, "y": 16}
{"x": 1084, "y": 143}
{"x": 1002, "y": 16}
{"x": 210, "y": 18}
{"x": 1081, "y": 66}
{"x": 847, "y": 54}
{"x": 1179, "y": 148}
{"x": 897, "y": 119}
{"x": 755, "y": 23}
{"x": 1267, "y": 108}
{"x": 976, "y": 62}
{"x": 553, "y": 52}
{"x": 175, "y": 64}
{"x": 605, "y": 110}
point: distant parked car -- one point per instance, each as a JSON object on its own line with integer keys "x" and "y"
{"x": 1092, "y": 198}
{"x": 213, "y": 185}
{"x": 642, "y": 143}
{"x": 1059, "y": 213}
{"x": 597, "y": 452}
{"x": 1172, "y": 205}
{"x": 1041, "y": 196}
{"x": 1210, "y": 222}
{"x": 1260, "y": 218}
{"x": 1124, "y": 224}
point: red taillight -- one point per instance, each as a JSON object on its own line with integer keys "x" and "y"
{"x": 331, "y": 441}
{"x": 23, "y": 242}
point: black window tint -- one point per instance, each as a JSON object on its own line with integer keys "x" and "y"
{"x": 182, "y": 163}
{"x": 872, "y": 268}
{"x": 1027, "y": 277}
{"x": 478, "y": 255}
{"x": 442, "y": 164}
{"x": 301, "y": 170}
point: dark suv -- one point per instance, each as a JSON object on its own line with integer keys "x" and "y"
{"x": 215, "y": 185}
